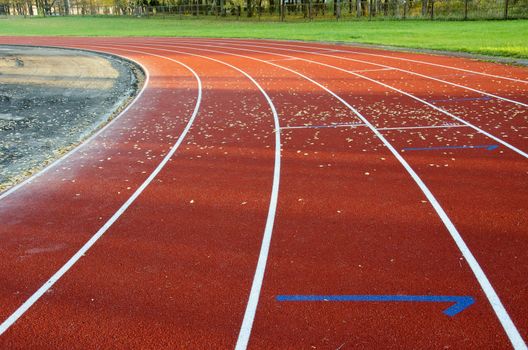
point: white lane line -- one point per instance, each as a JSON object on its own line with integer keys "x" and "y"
{"x": 391, "y": 67}
{"x": 345, "y": 50}
{"x": 504, "y": 318}
{"x": 425, "y": 127}
{"x": 256, "y": 286}
{"x": 283, "y": 59}
{"x": 53, "y": 279}
{"x": 372, "y": 70}
{"x": 85, "y": 142}
{"x": 328, "y": 50}
{"x": 439, "y": 65}
{"x": 353, "y": 125}
{"x": 441, "y": 110}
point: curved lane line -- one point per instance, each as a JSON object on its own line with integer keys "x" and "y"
{"x": 403, "y": 59}
{"x": 441, "y": 110}
{"x": 437, "y": 65}
{"x": 413, "y": 73}
{"x": 511, "y": 330}
{"x": 254, "y": 295}
{"x": 89, "y": 139}
{"x": 385, "y": 66}
{"x": 53, "y": 279}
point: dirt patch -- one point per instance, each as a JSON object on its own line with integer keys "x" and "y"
{"x": 53, "y": 99}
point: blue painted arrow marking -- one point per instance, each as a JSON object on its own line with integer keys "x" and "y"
{"x": 462, "y": 99}
{"x": 460, "y": 302}
{"x": 488, "y": 147}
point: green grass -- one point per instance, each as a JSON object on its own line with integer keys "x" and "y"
{"x": 499, "y": 38}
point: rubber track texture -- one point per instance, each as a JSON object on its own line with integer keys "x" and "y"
{"x": 176, "y": 269}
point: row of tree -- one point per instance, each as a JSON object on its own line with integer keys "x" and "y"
{"x": 249, "y": 8}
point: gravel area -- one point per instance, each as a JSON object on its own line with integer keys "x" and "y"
{"x": 52, "y": 99}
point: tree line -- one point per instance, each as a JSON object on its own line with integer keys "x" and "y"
{"x": 306, "y": 9}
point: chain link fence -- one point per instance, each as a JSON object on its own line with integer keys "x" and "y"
{"x": 280, "y": 10}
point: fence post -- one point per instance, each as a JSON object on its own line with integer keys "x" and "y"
{"x": 432, "y": 9}
{"x": 282, "y": 11}
{"x": 338, "y": 9}
{"x": 506, "y": 3}
{"x": 404, "y": 9}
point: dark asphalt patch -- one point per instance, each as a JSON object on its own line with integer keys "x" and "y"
{"x": 52, "y": 99}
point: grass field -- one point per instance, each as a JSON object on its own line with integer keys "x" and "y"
{"x": 499, "y": 38}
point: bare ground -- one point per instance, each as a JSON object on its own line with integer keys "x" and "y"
{"x": 53, "y": 99}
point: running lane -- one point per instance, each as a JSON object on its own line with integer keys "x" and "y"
{"x": 505, "y": 78}
{"x": 350, "y": 221}
{"x": 285, "y": 165}
{"x": 495, "y": 227}
{"x": 46, "y": 221}
{"x": 507, "y": 210}
{"x": 176, "y": 268}
{"x": 493, "y": 104}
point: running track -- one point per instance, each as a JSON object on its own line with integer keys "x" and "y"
{"x": 248, "y": 173}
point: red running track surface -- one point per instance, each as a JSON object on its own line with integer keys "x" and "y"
{"x": 251, "y": 169}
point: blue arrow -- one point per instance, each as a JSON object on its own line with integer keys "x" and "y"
{"x": 460, "y": 302}
{"x": 488, "y": 147}
{"x": 483, "y": 98}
